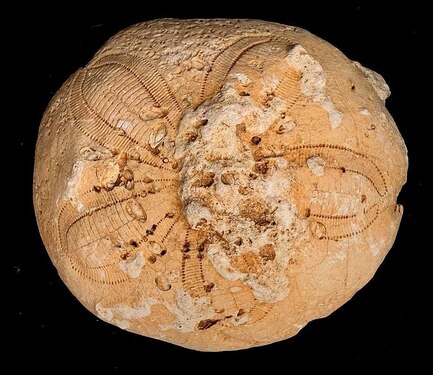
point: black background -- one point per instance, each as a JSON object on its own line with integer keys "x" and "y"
{"x": 384, "y": 324}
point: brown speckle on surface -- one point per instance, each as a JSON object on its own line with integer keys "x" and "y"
{"x": 228, "y": 178}
{"x": 256, "y": 210}
{"x": 267, "y": 252}
{"x": 205, "y": 179}
{"x": 208, "y": 287}
{"x": 206, "y": 324}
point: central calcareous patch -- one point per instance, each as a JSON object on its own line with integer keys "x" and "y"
{"x": 218, "y": 184}
{"x": 244, "y": 202}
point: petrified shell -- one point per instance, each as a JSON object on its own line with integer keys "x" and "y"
{"x": 218, "y": 184}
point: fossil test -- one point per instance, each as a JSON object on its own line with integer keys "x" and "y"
{"x": 218, "y": 184}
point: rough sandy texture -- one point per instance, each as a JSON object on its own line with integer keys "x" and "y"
{"x": 218, "y": 184}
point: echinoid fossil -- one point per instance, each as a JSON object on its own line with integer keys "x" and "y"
{"x": 218, "y": 184}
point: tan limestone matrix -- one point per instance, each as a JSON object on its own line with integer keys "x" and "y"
{"x": 218, "y": 184}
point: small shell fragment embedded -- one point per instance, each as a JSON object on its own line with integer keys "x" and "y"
{"x": 136, "y": 210}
